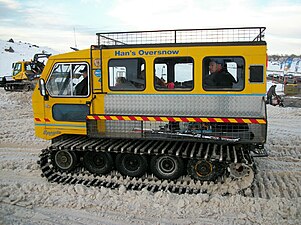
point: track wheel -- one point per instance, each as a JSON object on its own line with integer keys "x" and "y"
{"x": 65, "y": 160}
{"x": 167, "y": 167}
{"x": 238, "y": 170}
{"x": 98, "y": 162}
{"x": 202, "y": 170}
{"x": 131, "y": 165}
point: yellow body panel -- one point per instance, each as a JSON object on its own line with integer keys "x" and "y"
{"x": 48, "y": 128}
{"x": 253, "y": 55}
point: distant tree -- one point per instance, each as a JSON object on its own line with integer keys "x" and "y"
{"x": 11, "y": 40}
{"x": 282, "y": 57}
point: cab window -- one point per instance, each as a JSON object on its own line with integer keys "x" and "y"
{"x": 17, "y": 68}
{"x": 174, "y": 73}
{"x": 69, "y": 80}
{"x": 223, "y": 73}
{"x": 127, "y": 74}
{"x": 28, "y": 67}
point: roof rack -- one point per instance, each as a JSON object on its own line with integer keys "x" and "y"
{"x": 213, "y": 35}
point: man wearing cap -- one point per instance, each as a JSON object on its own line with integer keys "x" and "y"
{"x": 219, "y": 77}
{"x": 82, "y": 87}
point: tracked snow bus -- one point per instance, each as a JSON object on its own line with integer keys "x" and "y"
{"x": 152, "y": 113}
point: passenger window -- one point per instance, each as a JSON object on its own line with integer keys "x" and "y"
{"x": 127, "y": 74}
{"x": 174, "y": 73}
{"x": 223, "y": 73}
{"x": 69, "y": 79}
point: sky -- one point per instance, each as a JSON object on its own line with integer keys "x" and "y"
{"x": 61, "y": 24}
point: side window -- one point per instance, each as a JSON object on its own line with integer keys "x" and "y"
{"x": 223, "y": 73}
{"x": 28, "y": 67}
{"x": 127, "y": 74}
{"x": 69, "y": 80}
{"x": 256, "y": 73}
{"x": 174, "y": 73}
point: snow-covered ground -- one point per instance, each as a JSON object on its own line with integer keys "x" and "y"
{"x": 27, "y": 198}
{"x": 22, "y": 51}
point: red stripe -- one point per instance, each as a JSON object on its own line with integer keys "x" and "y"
{"x": 171, "y": 119}
{"x": 47, "y": 120}
{"x": 119, "y": 117}
{"x": 253, "y": 120}
{"x": 157, "y": 118}
{"x": 37, "y": 119}
{"x": 198, "y": 120}
{"x": 144, "y": 118}
{"x": 211, "y": 120}
{"x": 239, "y": 120}
{"x": 225, "y": 120}
{"x": 108, "y": 117}
{"x": 184, "y": 119}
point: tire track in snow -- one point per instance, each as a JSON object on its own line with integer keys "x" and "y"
{"x": 277, "y": 184}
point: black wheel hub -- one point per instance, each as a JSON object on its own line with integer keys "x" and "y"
{"x": 65, "y": 160}
{"x": 202, "y": 170}
{"x": 131, "y": 163}
{"x": 98, "y": 162}
{"x": 167, "y": 165}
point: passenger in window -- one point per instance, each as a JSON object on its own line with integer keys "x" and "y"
{"x": 82, "y": 87}
{"x": 160, "y": 82}
{"x": 120, "y": 81}
{"x": 123, "y": 83}
{"x": 219, "y": 76}
{"x": 170, "y": 85}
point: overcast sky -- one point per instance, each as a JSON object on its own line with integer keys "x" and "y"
{"x": 52, "y": 23}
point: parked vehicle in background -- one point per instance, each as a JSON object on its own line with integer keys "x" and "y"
{"x": 24, "y": 74}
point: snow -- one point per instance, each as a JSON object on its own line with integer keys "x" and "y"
{"x": 22, "y": 51}
{"x": 27, "y": 198}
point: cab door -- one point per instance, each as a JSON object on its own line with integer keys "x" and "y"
{"x": 68, "y": 99}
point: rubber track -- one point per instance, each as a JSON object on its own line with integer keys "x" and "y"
{"x": 114, "y": 180}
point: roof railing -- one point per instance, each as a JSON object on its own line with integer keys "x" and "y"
{"x": 212, "y": 35}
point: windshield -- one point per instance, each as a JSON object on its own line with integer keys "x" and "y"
{"x": 17, "y": 68}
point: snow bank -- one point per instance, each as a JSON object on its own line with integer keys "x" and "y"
{"x": 22, "y": 51}
{"x": 27, "y": 198}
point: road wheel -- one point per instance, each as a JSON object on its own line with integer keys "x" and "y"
{"x": 167, "y": 167}
{"x": 65, "y": 160}
{"x": 131, "y": 165}
{"x": 98, "y": 162}
{"x": 202, "y": 170}
{"x": 28, "y": 87}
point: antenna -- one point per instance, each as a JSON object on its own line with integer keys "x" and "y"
{"x": 74, "y": 37}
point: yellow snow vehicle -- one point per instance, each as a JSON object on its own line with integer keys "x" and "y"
{"x": 163, "y": 110}
{"x": 25, "y": 74}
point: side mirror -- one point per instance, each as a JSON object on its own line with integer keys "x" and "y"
{"x": 42, "y": 88}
